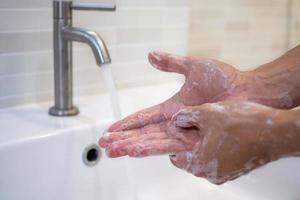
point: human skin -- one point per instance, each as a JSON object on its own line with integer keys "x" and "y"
{"x": 235, "y": 138}
{"x": 152, "y": 132}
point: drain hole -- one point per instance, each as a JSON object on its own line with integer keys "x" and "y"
{"x": 92, "y": 155}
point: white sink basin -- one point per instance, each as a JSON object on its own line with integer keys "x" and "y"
{"x": 42, "y": 158}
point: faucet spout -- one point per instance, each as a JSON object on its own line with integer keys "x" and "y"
{"x": 92, "y": 39}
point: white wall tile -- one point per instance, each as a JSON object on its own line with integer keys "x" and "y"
{"x": 140, "y": 17}
{"x": 94, "y": 19}
{"x": 177, "y": 3}
{"x": 229, "y": 30}
{"x": 25, "y": 3}
{"x": 25, "y": 41}
{"x": 18, "y": 20}
{"x": 175, "y": 33}
{"x": 178, "y": 16}
{"x": 133, "y": 35}
{"x": 22, "y": 63}
{"x": 135, "y": 29}
{"x": 140, "y": 3}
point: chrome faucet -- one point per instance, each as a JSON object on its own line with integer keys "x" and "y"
{"x": 63, "y": 35}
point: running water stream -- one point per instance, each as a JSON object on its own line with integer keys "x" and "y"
{"x": 111, "y": 89}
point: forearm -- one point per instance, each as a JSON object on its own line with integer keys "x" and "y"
{"x": 276, "y": 84}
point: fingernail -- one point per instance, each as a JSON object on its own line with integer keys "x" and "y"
{"x": 173, "y": 159}
{"x": 157, "y": 56}
{"x": 106, "y": 137}
{"x": 102, "y": 143}
{"x": 154, "y": 59}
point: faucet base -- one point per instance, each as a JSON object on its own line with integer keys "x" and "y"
{"x": 61, "y": 113}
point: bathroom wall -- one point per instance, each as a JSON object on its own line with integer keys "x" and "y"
{"x": 245, "y": 33}
{"x": 294, "y": 25}
{"x": 138, "y": 26}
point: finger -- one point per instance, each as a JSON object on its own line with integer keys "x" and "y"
{"x": 186, "y": 118}
{"x": 110, "y": 137}
{"x": 121, "y": 147}
{"x": 153, "y": 147}
{"x": 167, "y": 62}
{"x": 139, "y": 119}
{"x": 182, "y": 159}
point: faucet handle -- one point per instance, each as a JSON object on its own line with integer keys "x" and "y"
{"x": 94, "y": 6}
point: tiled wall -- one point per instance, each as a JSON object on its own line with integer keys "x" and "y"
{"x": 294, "y": 26}
{"x": 245, "y": 33}
{"x": 138, "y": 26}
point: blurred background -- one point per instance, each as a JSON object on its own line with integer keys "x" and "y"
{"x": 244, "y": 33}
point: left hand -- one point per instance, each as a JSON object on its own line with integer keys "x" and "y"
{"x": 149, "y": 132}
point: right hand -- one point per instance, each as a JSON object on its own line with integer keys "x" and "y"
{"x": 236, "y": 137}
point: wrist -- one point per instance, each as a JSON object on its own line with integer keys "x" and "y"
{"x": 268, "y": 89}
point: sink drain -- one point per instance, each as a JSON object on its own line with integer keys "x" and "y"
{"x": 91, "y": 155}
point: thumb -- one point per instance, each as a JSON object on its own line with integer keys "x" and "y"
{"x": 186, "y": 118}
{"x": 181, "y": 160}
{"x": 168, "y": 62}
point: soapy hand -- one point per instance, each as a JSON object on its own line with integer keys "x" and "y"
{"x": 149, "y": 132}
{"x": 219, "y": 141}
{"x": 236, "y": 137}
